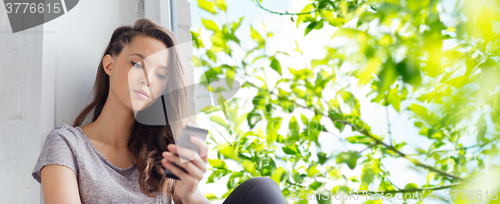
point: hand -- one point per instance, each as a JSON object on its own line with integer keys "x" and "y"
{"x": 187, "y": 187}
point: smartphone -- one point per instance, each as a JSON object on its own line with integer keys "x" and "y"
{"x": 186, "y": 143}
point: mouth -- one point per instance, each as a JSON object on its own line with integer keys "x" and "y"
{"x": 141, "y": 93}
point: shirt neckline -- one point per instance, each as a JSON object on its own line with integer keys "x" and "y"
{"x": 102, "y": 157}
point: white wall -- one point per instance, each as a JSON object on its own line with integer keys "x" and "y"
{"x": 20, "y": 91}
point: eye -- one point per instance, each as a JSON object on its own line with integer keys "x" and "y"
{"x": 136, "y": 64}
{"x": 160, "y": 76}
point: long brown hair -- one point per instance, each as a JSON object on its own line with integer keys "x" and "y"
{"x": 147, "y": 142}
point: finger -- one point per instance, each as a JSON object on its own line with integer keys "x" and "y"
{"x": 172, "y": 148}
{"x": 193, "y": 170}
{"x": 199, "y": 163}
{"x": 190, "y": 155}
{"x": 186, "y": 153}
{"x": 202, "y": 145}
{"x": 176, "y": 171}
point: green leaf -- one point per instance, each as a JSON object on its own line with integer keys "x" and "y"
{"x": 275, "y": 64}
{"x": 322, "y": 157}
{"x": 350, "y": 158}
{"x": 236, "y": 25}
{"x": 430, "y": 175}
{"x": 273, "y": 126}
{"x": 230, "y": 77}
{"x": 310, "y": 27}
{"x": 306, "y": 9}
{"x": 409, "y": 71}
{"x": 221, "y": 5}
{"x": 370, "y": 170}
{"x": 304, "y": 119}
{"x": 220, "y": 100}
{"x": 359, "y": 139}
{"x": 278, "y": 175}
{"x": 211, "y": 55}
{"x": 291, "y": 149}
{"x": 293, "y": 128}
{"x": 410, "y": 186}
{"x": 298, "y": 177}
{"x": 394, "y": 99}
{"x": 372, "y": 66}
{"x": 480, "y": 164}
{"x": 315, "y": 185}
{"x": 253, "y": 118}
{"x": 249, "y": 167}
{"x": 207, "y": 6}
{"x": 218, "y": 120}
{"x": 333, "y": 172}
{"x": 313, "y": 171}
{"x": 297, "y": 47}
{"x": 211, "y": 196}
{"x": 229, "y": 152}
{"x": 367, "y": 175}
{"x": 210, "y": 25}
{"x": 420, "y": 111}
{"x": 387, "y": 76}
{"x": 481, "y": 130}
{"x": 217, "y": 163}
{"x": 196, "y": 38}
{"x": 351, "y": 101}
{"x": 257, "y": 37}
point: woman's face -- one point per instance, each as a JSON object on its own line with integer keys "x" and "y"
{"x": 139, "y": 75}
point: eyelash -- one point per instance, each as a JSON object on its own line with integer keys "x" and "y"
{"x": 140, "y": 66}
{"x": 133, "y": 63}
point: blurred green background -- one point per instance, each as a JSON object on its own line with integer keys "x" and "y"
{"x": 395, "y": 96}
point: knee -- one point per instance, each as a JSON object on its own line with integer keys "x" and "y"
{"x": 262, "y": 185}
{"x": 260, "y": 190}
{"x": 261, "y": 182}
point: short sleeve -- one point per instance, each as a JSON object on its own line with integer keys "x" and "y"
{"x": 57, "y": 149}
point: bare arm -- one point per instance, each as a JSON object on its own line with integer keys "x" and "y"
{"x": 59, "y": 185}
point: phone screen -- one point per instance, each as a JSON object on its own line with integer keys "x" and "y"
{"x": 184, "y": 141}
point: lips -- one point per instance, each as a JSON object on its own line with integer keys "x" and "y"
{"x": 141, "y": 93}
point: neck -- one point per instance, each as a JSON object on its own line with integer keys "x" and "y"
{"x": 114, "y": 124}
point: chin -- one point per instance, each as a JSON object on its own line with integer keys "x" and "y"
{"x": 141, "y": 105}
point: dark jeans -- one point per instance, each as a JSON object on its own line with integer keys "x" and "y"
{"x": 260, "y": 190}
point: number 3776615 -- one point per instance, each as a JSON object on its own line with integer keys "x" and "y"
{"x": 33, "y": 7}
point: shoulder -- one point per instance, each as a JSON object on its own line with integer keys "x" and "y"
{"x": 65, "y": 132}
{"x": 61, "y": 146}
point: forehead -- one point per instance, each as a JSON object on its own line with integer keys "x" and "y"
{"x": 149, "y": 48}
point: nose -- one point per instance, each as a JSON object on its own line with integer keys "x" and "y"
{"x": 145, "y": 78}
{"x": 143, "y": 82}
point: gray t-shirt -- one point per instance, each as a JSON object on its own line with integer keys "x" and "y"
{"x": 99, "y": 181}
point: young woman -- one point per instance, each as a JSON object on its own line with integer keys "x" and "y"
{"x": 116, "y": 159}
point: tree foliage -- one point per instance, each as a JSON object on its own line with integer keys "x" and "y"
{"x": 436, "y": 63}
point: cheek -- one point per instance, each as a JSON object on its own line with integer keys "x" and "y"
{"x": 133, "y": 77}
{"x": 158, "y": 90}
{"x": 121, "y": 80}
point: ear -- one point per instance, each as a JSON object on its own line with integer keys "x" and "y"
{"x": 108, "y": 64}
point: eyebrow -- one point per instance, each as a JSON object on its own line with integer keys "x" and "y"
{"x": 142, "y": 56}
